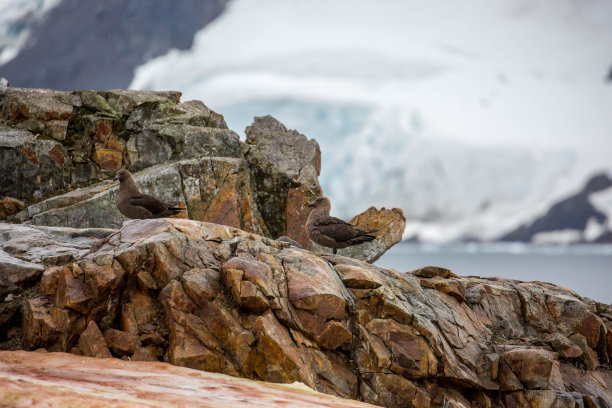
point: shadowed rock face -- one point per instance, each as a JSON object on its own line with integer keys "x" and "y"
{"x": 59, "y": 379}
{"x": 215, "y": 298}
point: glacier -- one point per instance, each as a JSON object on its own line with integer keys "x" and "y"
{"x": 472, "y": 117}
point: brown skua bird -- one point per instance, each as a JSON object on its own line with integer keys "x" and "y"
{"x": 333, "y": 232}
{"x": 133, "y": 204}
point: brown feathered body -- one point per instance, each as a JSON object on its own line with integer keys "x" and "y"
{"x": 133, "y": 204}
{"x": 333, "y": 232}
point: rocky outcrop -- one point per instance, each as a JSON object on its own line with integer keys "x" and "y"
{"x": 72, "y": 143}
{"x": 63, "y": 139}
{"x": 285, "y": 166}
{"x": 215, "y": 298}
{"x": 59, "y": 379}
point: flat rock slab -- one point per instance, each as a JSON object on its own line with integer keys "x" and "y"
{"x": 31, "y": 379}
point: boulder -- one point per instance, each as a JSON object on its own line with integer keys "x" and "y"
{"x": 285, "y": 166}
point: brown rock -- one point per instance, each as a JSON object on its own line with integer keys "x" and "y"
{"x": 172, "y": 285}
{"x": 589, "y": 357}
{"x": 451, "y": 287}
{"x": 201, "y": 285}
{"x": 358, "y": 278}
{"x": 535, "y": 368}
{"x": 333, "y": 335}
{"x": 277, "y": 358}
{"x": 91, "y": 342}
{"x": 38, "y": 326}
{"x": 251, "y": 298}
{"x": 590, "y": 327}
{"x": 564, "y": 346}
{"x": 121, "y": 342}
{"x": 72, "y": 292}
{"x": 285, "y": 165}
{"x": 390, "y": 225}
{"x": 431, "y": 271}
{"x": 146, "y": 354}
{"x": 314, "y": 287}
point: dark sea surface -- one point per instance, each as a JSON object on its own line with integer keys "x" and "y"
{"x": 585, "y": 269}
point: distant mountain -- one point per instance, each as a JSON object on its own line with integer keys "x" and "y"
{"x": 583, "y": 217}
{"x": 96, "y": 44}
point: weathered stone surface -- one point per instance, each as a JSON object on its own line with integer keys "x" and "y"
{"x": 453, "y": 287}
{"x": 24, "y": 157}
{"x": 216, "y": 298}
{"x": 534, "y": 368}
{"x": 177, "y": 131}
{"x": 15, "y": 273}
{"x": 564, "y": 346}
{"x": 91, "y": 342}
{"x": 589, "y": 357}
{"x": 59, "y": 379}
{"x": 214, "y": 189}
{"x": 66, "y": 140}
{"x": 121, "y": 342}
{"x": 432, "y": 271}
{"x": 285, "y": 166}
{"x": 390, "y": 225}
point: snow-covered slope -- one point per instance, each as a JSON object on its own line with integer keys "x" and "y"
{"x": 473, "y": 117}
{"x": 17, "y": 18}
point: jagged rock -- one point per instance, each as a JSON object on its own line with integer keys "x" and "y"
{"x": 220, "y": 299}
{"x": 534, "y": 368}
{"x": 86, "y": 382}
{"x": 91, "y": 342}
{"x": 589, "y": 357}
{"x": 390, "y": 225}
{"x": 25, "y": 157}
{"x": 172, "y": 132}
{"x": 285, "y": 166}
{"x": 564, "y": 346}
{"x": 64, "y": 139}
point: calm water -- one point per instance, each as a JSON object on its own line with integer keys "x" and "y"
{"x": 586, "y": 270}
